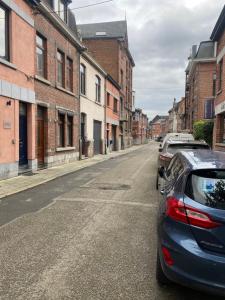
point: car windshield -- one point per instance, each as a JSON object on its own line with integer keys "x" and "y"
{"x": 207, "y": 187}
{"x": 174, "y": 148}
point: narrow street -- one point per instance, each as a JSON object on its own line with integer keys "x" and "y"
{"x": 87, "y": 235}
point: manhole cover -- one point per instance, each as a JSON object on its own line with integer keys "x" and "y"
{"x": 110, "y": 186}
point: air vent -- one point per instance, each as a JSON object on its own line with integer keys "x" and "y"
{"x": 100, "y": 33}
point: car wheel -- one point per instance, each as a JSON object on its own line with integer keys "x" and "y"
{"x": 160, "y": 276}
{"x": 157, "y": 182}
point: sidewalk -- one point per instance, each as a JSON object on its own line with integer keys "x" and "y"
{"x": 24, "y": 182}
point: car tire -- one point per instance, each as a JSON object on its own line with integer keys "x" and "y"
{"x": 160, "y": 276}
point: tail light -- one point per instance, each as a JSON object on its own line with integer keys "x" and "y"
{"x": 176, "y": 210}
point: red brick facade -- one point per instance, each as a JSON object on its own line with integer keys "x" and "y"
{"x": 200, "y": 90}
{"x": 55, "y": 100}
{"x": 140, "y": 127}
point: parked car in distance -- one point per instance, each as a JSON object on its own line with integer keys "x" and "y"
{"x": 177, "y": 137}
{"x": 171, "y": 147}
{"x": 191, "y": 221}
{"x": 159, "y": 139}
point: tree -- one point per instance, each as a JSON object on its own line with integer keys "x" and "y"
{"x": 203, "y": 130}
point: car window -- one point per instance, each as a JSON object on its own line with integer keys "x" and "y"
{"x": 174, "y": 148}
{"x": 174, "y": 170}
{"x": 207, "y": 187}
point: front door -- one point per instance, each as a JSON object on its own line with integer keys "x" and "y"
{"x": 40, "y": 135}
{"x": 97, "y": 137}
{"x": 82, "y": 129}
{"x": 23, "y": 134}
{"x": 114, "y": 137}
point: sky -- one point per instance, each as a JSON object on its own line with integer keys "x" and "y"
{"x": 161, "y": 34}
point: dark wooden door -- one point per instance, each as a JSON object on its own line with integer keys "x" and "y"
{"x": 97, "y": 137}
{"x": 40, "y": 136}
{"x": 23, "y": 134}
{"x": 83, "y": 141}
{"x": 114, "y": 138}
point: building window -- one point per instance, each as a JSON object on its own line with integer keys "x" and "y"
{"x": 60, "y": 68}
{"x": 214, "y": 85}
{"x": 69, "y": 131}
{"x": 121, "y": 79}
{"x": 209, "y": 109}
{"x": 41, "y": 55}
{"x": 115, "y": 105}
{"x": 4, "y": 33}
{"x": 97, "y": 89}
{"x": 108, "y": 99}
{"x": 220, "y": 75}
{"x": 69, "y": 74}
{"x": 83, "y": 79}
{"x": 61, "y": 9}
{"x": 61, "y": 131}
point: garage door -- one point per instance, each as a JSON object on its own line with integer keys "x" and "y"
{"x": 97, "y": 137}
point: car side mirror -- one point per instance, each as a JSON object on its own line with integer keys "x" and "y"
{"x": 161, "y": 172}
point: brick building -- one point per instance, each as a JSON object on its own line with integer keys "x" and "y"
{"x": 218, "y": 36}
{"x": 159, "y": 126}
{"x": 92, "y": 106}
{"x": 57, "y": 83}
{"x": 17, "y": 97}
{"x": 108, "y": 44}
{"x": 113, "y": 141}
{"x": 200, "y": 84}
{"x": 140, "y": 128}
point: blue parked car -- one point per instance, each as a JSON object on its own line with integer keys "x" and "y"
{"x": 191, "y": 221}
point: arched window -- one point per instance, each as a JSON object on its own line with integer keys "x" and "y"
{"x": 97, "y": 89}
{"x": 83, "y": 79}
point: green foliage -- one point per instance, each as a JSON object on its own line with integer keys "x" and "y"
{"x": 203, "y": 130}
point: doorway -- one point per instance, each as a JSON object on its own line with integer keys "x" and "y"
{"x": 23, "y": 160}
{"x": 41, "y": 111}
{"x": 97, "y": 137}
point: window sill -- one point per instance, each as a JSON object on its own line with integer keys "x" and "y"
{"x": 42, "y": 79}
{"x": 83, "y": 95}
{"x": 219, "y": 92}
{"x": 61, "y": 149}
{"x": 8, "y": 64}
{"x": 98, "y": 103}
{"x": 64, "y": 90}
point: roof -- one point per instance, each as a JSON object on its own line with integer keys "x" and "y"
{"x": 204, "y": 159}
{"x": 157, "y": 118}
{"x": 219, "y": 27}
{"x": 117, "y": 29}
{"x": 205, "y": 50}
{"x": 187, "y": 142}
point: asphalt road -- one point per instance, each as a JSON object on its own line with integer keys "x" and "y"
{"x": 87, "y": 235}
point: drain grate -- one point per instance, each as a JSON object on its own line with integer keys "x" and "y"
{"x": 109, "y": 186}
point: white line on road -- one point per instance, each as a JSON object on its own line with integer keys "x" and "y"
{"x": 127, "y": 203}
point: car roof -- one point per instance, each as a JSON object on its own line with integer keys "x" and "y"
{"x": 188, "y": 142}
{"x": 203, "y": 159}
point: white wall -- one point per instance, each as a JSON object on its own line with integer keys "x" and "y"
{"x": 88, "y": 105}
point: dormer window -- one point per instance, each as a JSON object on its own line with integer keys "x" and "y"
{"x": 60, "y": 8}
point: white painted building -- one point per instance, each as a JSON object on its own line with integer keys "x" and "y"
{"x": 92, "y": 106}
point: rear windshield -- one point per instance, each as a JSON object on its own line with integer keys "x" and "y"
{"x": 173, "y": 149}
{"x": 207, "y": 187}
